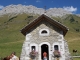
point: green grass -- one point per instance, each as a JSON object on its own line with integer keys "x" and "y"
{"x": 11, "y": 38}
{"x": 8, "y": 48}
{"x": 76, "y": 58}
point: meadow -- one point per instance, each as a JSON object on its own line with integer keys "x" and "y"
{"x": 11, "y": 39}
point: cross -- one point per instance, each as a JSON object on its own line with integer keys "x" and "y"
{"x": 45, "y": 9}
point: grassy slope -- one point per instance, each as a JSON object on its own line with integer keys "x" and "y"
{"x": 11, "y": 39}
{"x": 72, "y": 36}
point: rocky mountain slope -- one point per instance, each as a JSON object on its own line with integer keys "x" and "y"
{"x": 19, "y": 9}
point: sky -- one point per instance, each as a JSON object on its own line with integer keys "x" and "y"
{"x": 69, "y": 5}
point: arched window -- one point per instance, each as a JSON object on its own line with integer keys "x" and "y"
{"x": 44, "y": 32}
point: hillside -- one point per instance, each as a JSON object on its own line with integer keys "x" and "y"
{"x": 73, "y": 35}
{"x": 11, "y": 39}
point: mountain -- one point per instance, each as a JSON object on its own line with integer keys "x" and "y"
{"x": 19, "y": 9}
{"x": 14, "y": 17}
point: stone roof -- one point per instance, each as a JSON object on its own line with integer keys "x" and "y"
{"x": 48, "y": 19}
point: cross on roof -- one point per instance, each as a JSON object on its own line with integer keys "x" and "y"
{"x": 45, "y": 9}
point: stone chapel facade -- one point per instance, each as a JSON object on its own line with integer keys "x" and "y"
{"x": 45, "y": 35}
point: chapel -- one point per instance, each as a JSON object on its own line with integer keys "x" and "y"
{"x": 45, "y": 34}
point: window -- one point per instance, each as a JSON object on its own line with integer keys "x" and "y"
{"x": 56, "y": 51}
{"x": 56, "y": 47}
{"x": 33, "y": 48}
{"x": 44, "y": 32}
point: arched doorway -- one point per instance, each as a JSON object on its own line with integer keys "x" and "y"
{"x": 45, "y": 48}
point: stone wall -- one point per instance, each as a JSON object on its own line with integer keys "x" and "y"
{"x": 67, "y": 53}
{"x": 52, "y": 37}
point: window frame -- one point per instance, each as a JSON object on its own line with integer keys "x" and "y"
{"x": 44, "y": 34}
